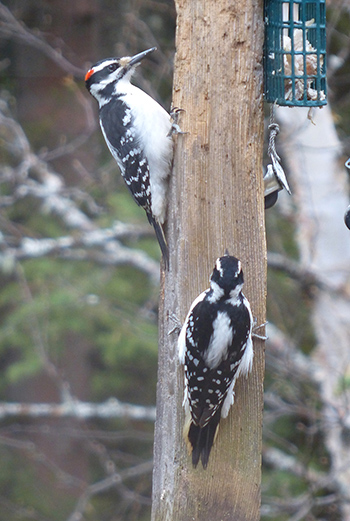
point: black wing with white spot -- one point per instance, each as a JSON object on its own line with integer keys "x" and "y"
{"x": 116, "y": 124}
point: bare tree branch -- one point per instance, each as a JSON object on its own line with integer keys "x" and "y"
{"x": 280, "y": 262}
{"x": 114, "y": 480}
{"x": 34, "y": 177}
{"x": 101, "y": 246}
{"x": 73, "y": 408}
{"x": 12, "y": 28}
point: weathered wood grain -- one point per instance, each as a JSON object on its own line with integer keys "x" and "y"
{"x": 216, "y": 202}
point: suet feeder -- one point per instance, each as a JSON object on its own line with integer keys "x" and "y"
{"x": 295, "y": 52}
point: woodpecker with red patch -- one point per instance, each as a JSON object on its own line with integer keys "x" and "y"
{"x": 138, "y": 132}
{"x": 215, "y": 347}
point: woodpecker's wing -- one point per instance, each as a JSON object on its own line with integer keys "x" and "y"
{"x": 182, "y": 337}
{"x": 124, "y": 147}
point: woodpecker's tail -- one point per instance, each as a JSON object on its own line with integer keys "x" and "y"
{"x": 161, "y": 239}
{"x": 201, "y": 440}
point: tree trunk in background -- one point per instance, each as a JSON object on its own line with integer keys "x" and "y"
{"x": 320, "y": 193}
{"x": 216, "y": 202}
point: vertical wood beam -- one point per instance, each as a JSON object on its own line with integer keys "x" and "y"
{"x": 216, "y": 202}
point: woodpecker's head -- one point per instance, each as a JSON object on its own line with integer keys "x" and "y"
{"x": 103, "y": 76}
{"x": 227, "y": 275}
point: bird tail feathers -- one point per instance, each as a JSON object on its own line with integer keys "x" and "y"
{"x": 201, "y": 439}
{"x": 158, "y": 228}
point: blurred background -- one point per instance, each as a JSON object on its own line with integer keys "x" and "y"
{"x": 79, "y": 279}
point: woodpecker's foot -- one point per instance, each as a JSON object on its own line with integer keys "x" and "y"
{"x": 175, "y": 128}
{"x": 255, "y": 328}
{"x": 177, "y": 324}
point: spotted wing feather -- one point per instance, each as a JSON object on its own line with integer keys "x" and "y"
{"x": 125, "y": 148}
{"x": 208, "y": 386}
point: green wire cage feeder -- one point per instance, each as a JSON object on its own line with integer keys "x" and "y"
{"x": 295, "y": 52}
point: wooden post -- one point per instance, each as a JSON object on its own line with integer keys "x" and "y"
{"x": 216, "y": 202}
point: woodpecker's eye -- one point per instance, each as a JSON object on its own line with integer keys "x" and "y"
{"x": 112, "y": 67}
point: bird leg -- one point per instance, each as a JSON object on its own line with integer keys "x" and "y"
{"x": 175, "y": 128}
{"x": 255, "y": 328}
{"x": 177, "y": 324}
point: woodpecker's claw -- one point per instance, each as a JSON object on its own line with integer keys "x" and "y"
{"x": 174, "y": 113}
{"x": 177, "y": 324}
{"x": 255, "y": 328}
{"x": 175, "y": 128}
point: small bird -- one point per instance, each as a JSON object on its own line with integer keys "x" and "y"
{"x": 215, "y": 346}
{"x": 275, "y": 158}
{"x": 138, "y": 133}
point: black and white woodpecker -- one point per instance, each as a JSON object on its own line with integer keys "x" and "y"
{"x": 138, "y": 132}
{"x": 215, "y": 347}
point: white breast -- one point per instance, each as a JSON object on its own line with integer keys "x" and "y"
{"x": 220, "y": 340}
{"x": 152, "y": 125}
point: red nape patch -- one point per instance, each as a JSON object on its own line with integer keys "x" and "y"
{"x": 88, "y": 74}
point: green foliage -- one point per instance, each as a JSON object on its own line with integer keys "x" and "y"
{"x": 288, "y": 302}
{"x": 99, "y": 305}
{"x": 281, "y": 232}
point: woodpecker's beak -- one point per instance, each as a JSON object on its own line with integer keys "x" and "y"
{"x": 138, "y": 57}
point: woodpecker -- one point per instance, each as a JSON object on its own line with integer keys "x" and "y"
{"x": 138, "y": 133}
{"x": 215, "y": 346}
